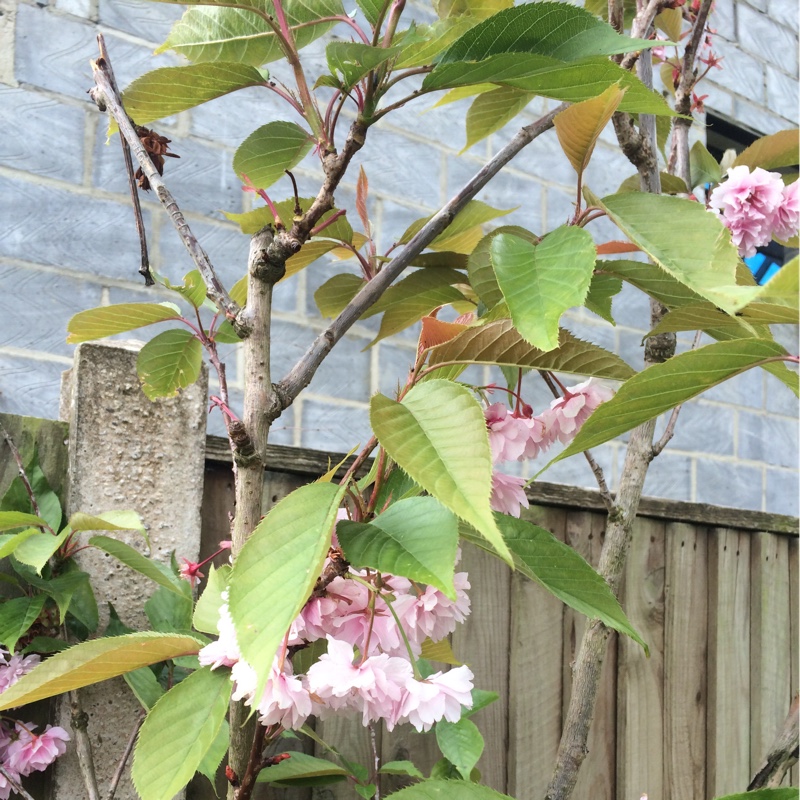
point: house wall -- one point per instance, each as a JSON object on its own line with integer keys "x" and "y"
{"x": 67, "y": 240}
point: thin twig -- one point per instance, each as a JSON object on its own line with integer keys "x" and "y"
{"x": 303, "y": 371}
{"x": 107, "y": 97}
{"x": 15, "y": 785}
{"x": 79, "y": 720}
{"x": 254, "y": 765}
{"x": 669, "y": 431}
{"x": 23, "y": 476}
{"x": 126, "y": 754}
{"x": 144, "y": 269}
{"x": 641, "y": 25}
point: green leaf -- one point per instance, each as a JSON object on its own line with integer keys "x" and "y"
{"x": 178, "y": 732}
{"x": 270, "y": 150}
{"x": 771, "y": 152}
{"x": 44, "y": 645}
{"x": 448, "y": 790}
{"x": 277, "y": 568}
{"x": 301, "y": 769}
{"x": 240, "y": 35}
{"x": 94, "y": 661}
{"x": 416, "y": 538}
{"x": 16, "y": 616}
{"x": 564, "y": 573}
{"x": 337, "y": 292}
{"x": 193, "y": 289}
{"x": 480, "y": 699}
{"x": 706, "y": 316}
{"x": 351, "y": 61}
{"x": 438, "y": 436}
{"x": 473, "y": 215}
{"x": 83, "y": 603}
{"x": 17, "y": 519}
{"x": 491, "y": 110}
{"x": 371, "y": 9}
{"x": 602, "y": 290}
{"x": 703, "y": 166}
{"x": 414, "y": 297}
{"x": 210, "y": 762}
{"x": 540, "y": 282}
{"x": 95, "y": 323}
{"x": 145, "y": 686}
{"x": 168, "y": 611}
{"x": 670, "y": 184}
{"x": 121, "y": 520}
{"x": 461, "y": 744}
{"x": 169, "y": 362}
{"x": 401, "y": 768}
{"x": 9, "y": 543}
{"x": 62, "y": 588}
{"x": 542, "y": 75}
{"x": 144, "y": 566}
{"x": 664, "y": 386}
{"x": 500, "y": 343}
{"x": 553, "y": 29}
{"x": 481, "y": 272}
{"x": 430, "y": 40}
{"x": 206, "y": 612}
{"x": 788, "y": 793}
{"x": 170, "y": 90}
{"x": 702, "y": 257}
{"x": 579, "y": 126}
{"x": 36, "y": 551}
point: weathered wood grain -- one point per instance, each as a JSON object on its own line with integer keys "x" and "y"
{"x": 794, "y": 639}
{"x": 640, "y": 680}
{"x": 535, "y": 679}
{"x": 315, "y": 462}
{"x": 685, "y": 643}
{"x": 597, "y": 777}
{"x": 728, "y": 710}
{"x": 483, "y": 643}
{"x": 770, "y": 660}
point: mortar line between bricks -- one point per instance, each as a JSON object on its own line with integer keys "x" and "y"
{"x": 34, "y": 355}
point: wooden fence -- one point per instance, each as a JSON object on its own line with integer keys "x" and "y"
{"x": 713, "y": 591}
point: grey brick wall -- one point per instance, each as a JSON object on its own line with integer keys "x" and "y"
{"x": 67, "y": 241}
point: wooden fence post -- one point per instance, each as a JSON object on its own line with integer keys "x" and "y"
{"x": 127, "y": 452}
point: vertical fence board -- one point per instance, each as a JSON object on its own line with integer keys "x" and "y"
{"x": 483, "y": 641}
{"x": 685, "y": 643}
{"x": 794, "y": 638}
{"x": 728, "y": 709}
{"x": 770, "y": 663}
{"x": 640, "y": 680}
{"x": 597, "y": 776}
{"x": 534, "y": 716}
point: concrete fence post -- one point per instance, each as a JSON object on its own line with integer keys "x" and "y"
{"x": 126, "y": 452}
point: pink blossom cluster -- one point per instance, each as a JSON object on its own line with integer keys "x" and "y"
{"x": 756, "y": 207}
{"x": 369, "y": 664}
{"x": 518, "y": 435}
{"x": 21, "y": 750}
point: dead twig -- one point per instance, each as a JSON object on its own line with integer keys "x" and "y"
{"x": 15, "y": 785}
{"x": 108, "y": 99}
{"x": 126, "y": 754}
{"x": 782, "y": 755}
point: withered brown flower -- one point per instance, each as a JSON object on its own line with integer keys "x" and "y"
{"x": 157, "y": 147}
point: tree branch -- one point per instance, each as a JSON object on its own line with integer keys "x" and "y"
{"x": 782, "y": 755}
{"x": 108, "y": 99}
{"x": 301, "y": 374}
{"x": 126, "y": 754}
{"x": 15, "y": 785}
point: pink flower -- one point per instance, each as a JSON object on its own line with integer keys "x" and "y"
{"x": 190, "y": 571}
{"x": 538, "y": 440}
{"x": 508, "y": 494}
{"x": 507, "y": 434}
{"x": 569, "y": 412}
{"x": 14, "y": 667}
{"x": 31, "y": 752}
{"x": 225, "y": 651}
{"x": 375, "y": 686}
{"x": 285, "y": 702}
{"x": 748, "y": 202}
{"x": 787, "y": 217}
{"x": 441, "y": 696}
{"x": 432, "y": 615}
